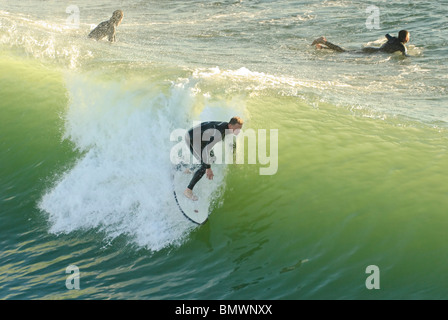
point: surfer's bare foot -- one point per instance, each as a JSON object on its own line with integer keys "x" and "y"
{"x": 189, "y": 194}
{"x": 187, "y": 171}
{"x": 318, "y": 41}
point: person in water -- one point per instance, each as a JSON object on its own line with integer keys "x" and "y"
{"x": 392, "y": 45}
{"x": 107, "y": 28}
{"x": 201, "y": 139}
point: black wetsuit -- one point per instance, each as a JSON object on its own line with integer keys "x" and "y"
{"x": 201, "y": 139}
{"x": 392, "y": 45}
{"x": 107, "y": 28}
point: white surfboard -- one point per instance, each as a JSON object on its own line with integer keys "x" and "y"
{"x": 195, "y": 211}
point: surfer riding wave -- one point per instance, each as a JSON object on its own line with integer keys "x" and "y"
{"x": 201, "y": 139}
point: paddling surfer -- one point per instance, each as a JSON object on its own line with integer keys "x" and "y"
{"x": 392, "y": 45}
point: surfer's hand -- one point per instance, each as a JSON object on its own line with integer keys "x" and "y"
{"x": 209, "y": 173}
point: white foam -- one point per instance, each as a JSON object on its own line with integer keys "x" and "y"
{"x": 44, "y": 40}
{"x": 258, "y": 81}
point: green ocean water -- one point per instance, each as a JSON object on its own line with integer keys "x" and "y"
{"x": 85, "y": 140}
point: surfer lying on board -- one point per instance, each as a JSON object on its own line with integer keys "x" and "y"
{"x": 392, "y": 45}
{"x": 107, "y": 28}
{"x": 201, "y": 139}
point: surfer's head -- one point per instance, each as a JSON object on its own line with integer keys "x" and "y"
{"x": 235, "y": 124}
{"x": 404, "y": 36}
{"x": 117, "y": 17}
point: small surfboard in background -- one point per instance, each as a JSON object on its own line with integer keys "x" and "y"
{"x": 195, "y": 211}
